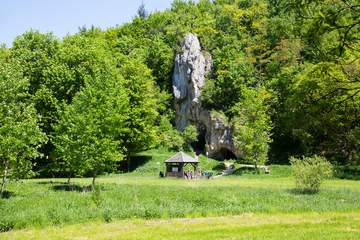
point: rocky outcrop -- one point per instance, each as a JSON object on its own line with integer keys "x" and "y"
{"x": 189, "y": 74}
{"x": 219, "y": 139}
{"x": 192, "y": 66}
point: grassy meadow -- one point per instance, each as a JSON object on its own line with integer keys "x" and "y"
{"x": 246, "y": 226}
{"x": 137, "y": 203}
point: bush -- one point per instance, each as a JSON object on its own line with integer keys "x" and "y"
{"x": 309, "y": 172}
{"x": 6, "y": 225}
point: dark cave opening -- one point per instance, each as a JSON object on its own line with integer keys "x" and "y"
{"x": 224, "y": 154}
{"x": 199, "y": 145}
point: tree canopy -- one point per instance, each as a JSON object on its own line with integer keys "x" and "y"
{"x": 20, "y": 135}
{"x": 285, "y": 74}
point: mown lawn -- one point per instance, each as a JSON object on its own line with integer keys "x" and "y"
{"x": 247, "y": 226}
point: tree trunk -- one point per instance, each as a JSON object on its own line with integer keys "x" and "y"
{"x": 68, "y": 181}
{"x": 256, "y": 167}
{"x": 4, "y": 178}
{"x": 128, "y": 161}
{"x": 93, "y": 182}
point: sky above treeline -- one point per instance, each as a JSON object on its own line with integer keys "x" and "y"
{"x": 64, "y": 17}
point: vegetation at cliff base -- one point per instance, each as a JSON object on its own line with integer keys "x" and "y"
{"x": 285, "y": 75}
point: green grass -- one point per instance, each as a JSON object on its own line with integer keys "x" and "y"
{"x": 247, "y": 226}
{"x": 150, "y": 162}
{"x": 36, "y": 203}
{"x": 133, "y": 197}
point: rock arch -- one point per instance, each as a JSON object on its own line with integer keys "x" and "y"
{"x": 224, "y": 154}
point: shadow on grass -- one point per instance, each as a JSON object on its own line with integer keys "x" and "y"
{"x": 297, "y": 191}
{"x": 72, "y": 188}
{"x": 50, "y": 183}
{"x": 7, "y": 195}
{"x": 219, "y": 167}
{"x": 6, "y": 226}
{"x": 135, "y": 162}
{"x": 245, "y": 170}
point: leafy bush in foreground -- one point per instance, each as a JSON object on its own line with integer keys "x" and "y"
{"x": 309, "y": 172}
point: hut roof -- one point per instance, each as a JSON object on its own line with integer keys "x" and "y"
{"x": 181, "y": 157}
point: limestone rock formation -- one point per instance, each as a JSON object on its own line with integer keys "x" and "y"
{"x": 219, "y": 139}
{"x": 188, "y": 80}
{"x": 192, "y": 65}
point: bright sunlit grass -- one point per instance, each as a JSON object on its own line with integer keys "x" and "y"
{"x": 267, "y": 204}
{"x": 44, "y": 202}
{"x": 247, "y": 226}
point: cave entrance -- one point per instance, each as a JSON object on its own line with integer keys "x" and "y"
{"x": 225, "y": 154}
{"x": 199, "y": 145}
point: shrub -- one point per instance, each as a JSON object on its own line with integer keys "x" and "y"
{"x": 96, "y": 196}
{"x": 6, "y": 225}
{"x": 309, "y": 172}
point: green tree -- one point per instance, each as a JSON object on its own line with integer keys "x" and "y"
{"x": 143, "y": 107}
{"x": 36, "y": 53}
{"x": 190, "y": 135}
{"x": 20, "y": 136}
{"x": 142, "y": 12}
{"x": 252, "y": 126}
{"x": 56, "y": 72}
{"x": 312, "y": 67}
{"x": 88, "y": 137}
{"x": 160, "y": 59}
{"x": 169, "y": 137}
{"x": 4, "y": 53}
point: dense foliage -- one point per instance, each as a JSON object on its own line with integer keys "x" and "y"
{"x": 285, "y": 74}
{"x": 89, "y": 134}
{"x": 20, "y": 136}
{"x": 252, "y": 126}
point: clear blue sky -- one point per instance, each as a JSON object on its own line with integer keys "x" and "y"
{"x": 66, "y": 16}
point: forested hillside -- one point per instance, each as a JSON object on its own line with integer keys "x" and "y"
{"x": 81, "y": 104}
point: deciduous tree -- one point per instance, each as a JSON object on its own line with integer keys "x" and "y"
{"x": 20, "y": 136}
{"x": 89, "y": 137}
{"x": 252, "y": 126}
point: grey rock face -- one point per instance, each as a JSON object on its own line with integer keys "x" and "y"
{"x": 219, "y": 140}
{"x": 188, "y": 80}
{"x": 192, "y": 66}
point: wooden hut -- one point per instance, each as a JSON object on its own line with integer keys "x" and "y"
{"x": 175, "y": 165}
